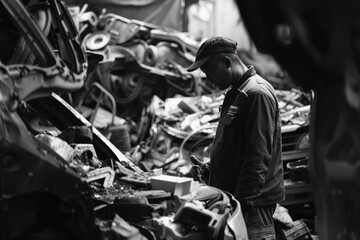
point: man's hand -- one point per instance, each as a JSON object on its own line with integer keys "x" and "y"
{"x": 200, "y": 171}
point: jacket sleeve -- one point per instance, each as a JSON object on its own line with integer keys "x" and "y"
{"x": 259, "y": 132}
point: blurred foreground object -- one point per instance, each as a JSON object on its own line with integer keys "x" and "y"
{"x": 317, "y": 42}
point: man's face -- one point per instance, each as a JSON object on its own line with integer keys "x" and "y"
{"x": 216, "y": 73}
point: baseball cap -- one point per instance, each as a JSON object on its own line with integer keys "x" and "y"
{"x": 212, "y": 46}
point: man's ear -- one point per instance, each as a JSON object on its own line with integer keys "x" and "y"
{"x": 227, "y": 61}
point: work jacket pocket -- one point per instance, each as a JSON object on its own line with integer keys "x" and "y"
{"x": 227, "y": 131}
{"x": 228, "y": 119}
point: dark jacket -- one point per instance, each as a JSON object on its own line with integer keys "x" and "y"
{"x": 246, "y": 154}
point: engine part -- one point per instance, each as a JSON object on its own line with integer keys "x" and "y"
{"x": 133, "y": 208}
{"x": 81, "y": 134}
{"x": 118, "y": 228}
{"x": 105, "y": 173}
{"x": 87, "y": 154}
{"x": 141, "y": 179}
{"x": 97, "y": 41}
{"x": 120, "y": 137}
{"x": 178, "y": 231}
{"x": 208, "y": 222}
{"x": 58, "y": 145}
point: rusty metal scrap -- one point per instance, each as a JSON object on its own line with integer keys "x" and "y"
{"x": 106, "y": 173}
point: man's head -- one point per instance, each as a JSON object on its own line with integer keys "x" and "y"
{"x": 211, "y": 47}
{"x": 217, "y": 58}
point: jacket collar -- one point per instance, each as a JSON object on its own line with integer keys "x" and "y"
{"x": 240, "y": 84}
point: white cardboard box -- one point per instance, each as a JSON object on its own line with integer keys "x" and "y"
{"x": 175, "y": 185}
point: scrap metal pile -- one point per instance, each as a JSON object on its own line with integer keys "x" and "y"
{"x": 186, "y": 125}
{"x": 92, "y": 127}
{"x": 60, "y": 176}
{"x": 143, "y": 73}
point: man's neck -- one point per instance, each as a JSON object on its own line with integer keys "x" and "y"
{"x": 238, "y": 77}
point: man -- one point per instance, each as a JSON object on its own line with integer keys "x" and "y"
{"x": 246, "y": 153}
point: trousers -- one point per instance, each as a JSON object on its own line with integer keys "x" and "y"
{"x": 259, "y": 221}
